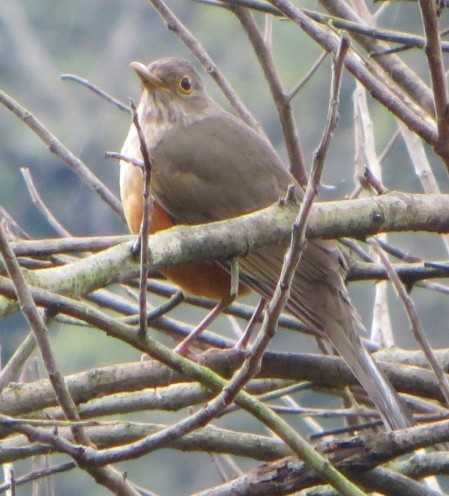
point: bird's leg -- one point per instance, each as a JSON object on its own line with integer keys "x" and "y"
{"x": 183, "y": 346}
{"x": 244, "y": 339}
{"x": 235, "y": 278}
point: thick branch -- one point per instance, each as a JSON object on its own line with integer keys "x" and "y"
{"x": 213, "y": 440}
{"x": 322, "y": 371}
{"x": 355, "y": 456}
{"x": 235, "y": 237}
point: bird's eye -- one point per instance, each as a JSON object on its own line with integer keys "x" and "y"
{"x": 186, "y": 85}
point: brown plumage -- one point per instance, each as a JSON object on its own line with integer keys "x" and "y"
{"x": 208, "y": 166}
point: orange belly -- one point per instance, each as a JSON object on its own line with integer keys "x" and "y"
{"x": 199, "y": 278}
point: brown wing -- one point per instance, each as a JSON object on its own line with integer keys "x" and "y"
{"x": 216, "y": 168}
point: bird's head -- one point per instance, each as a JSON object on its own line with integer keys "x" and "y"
{"x": 173, "y": 89}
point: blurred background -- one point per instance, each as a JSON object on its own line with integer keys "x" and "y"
{"x": 96, "y": 40}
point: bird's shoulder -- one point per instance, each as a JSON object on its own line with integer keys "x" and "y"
{"x": 216, "y": 167}
{"x": 218, "y": 146}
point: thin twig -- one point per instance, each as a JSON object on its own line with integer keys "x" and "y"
{"x": 176, "y": 299}
{"x": 421, "y": 165}
{"x": 326, "y": 413}
{"x": 63, "y": 467}
{"x": 398, "y": 253}
{"x": 106, "y": 476}
{"x": 367, "y": 36}
{"x": 389, "y": 51}
{"x": 239, "y": 310}
{"x": 438, "y": 75}
{"x": 402, "y": 107}
{"x": 369, "y": 173}
{"x": 130, "y": 160}
{"x": 390, "y": 68}
{"x": 433, "y": 286}
{"x": 410, "y": 273}
{"x": 281, "y": 100}
{"x": 12, "y": 224}
{"x": 310, "y": 422}
{"x": 18, "y": 359}
{"x": 95, "y": 89}
{"x": 56, "y": 147}
{"x": 415, "y": 322}
{"x": 38, "y": 202}
{"x": 53, "y": 246}
{"x": 10, "y": 478}
{"x": 332, "y": 120}
{"x": 307, "y": 77}
{"x": 389, "y": 146}
{"x": 268, "y": 33}
{"x": 40, "y": 332}
{"x": 146, "y": 220}
{"x": 409, "y": 40}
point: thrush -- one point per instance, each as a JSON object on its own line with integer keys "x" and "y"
{"x": 208, "y": 166}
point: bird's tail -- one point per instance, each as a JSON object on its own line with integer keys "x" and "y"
{"x": 348, "y": 344}
{"x": 319, "y": 298}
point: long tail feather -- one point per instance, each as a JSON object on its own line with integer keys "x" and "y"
{"x": 319, "y": 298}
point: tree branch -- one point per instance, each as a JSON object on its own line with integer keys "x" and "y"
{"x": 438, "y": 75}
{"x": 235, "y": 237}
{"x": 151, "y": 378}
{"x": 56, "y": 147}
{"x": 400, "y": 106}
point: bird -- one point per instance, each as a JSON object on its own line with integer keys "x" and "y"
{"x": 207, "y": 165}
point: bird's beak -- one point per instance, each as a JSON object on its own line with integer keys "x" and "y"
{"x": 147, "y": 78}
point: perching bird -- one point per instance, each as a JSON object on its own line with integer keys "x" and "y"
{"x": 208, "y": 166}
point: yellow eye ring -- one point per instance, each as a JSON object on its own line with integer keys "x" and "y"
{"x": 186, "y": 85}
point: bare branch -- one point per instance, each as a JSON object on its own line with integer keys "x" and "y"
{"x": 282, "y": 101}
{"x": 37, "y": 200}
{"x": 291, "y": 475}
{"x": 106, "y": 476}
{"x": 146, "y": 220}
{"x": 416, "y": 324}
{"x": 402, "y": 107}
{"x": 393, "y": 66}
{"x": 95, "y": 89}
{"x": 230, "y": 238}
{"x": 10, "y": 371}
{"x": 56, "y": 147}
{"x": 421, "y": 165}
{"x": 12, "y": 226}
{"x": 438, "y": 75}
{"x": 307, "y": 77}
{"x": 40, "y": 332}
